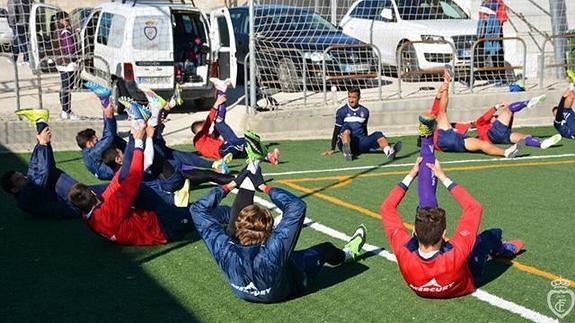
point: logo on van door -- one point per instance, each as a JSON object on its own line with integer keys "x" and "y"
{"x": 151, "y": 31}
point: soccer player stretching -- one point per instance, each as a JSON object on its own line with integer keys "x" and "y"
{"x": 259, "y": 261}
{"x": 564, "y": 117}
{"x": 432, "y": 266}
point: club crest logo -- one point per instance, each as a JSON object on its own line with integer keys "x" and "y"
{"x": 561, "y": 299}
{"x": 150, "y": 30}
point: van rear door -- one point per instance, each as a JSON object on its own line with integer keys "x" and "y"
{"x": 224, "y": 44}
{"x": 42, "y": 25}
{"x": 152, "y": 60}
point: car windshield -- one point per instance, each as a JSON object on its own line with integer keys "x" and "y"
{"x": 430, "y": 10}
{"x": 284, "y": 20}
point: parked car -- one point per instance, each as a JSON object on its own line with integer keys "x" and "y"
{"x": 147, "y": 42}
{"x": 6, "y": 34}
{"x": 390, "y": 23}
{"x": 288, "y": 37}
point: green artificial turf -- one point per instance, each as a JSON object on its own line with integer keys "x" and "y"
{"x": 61, "y": 271}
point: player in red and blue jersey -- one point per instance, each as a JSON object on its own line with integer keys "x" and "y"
{"x": 113, "y": 216}
{"x": 350, "y": 131}
{"x": 564, "y": 116}
{"x": 433, "y": 266}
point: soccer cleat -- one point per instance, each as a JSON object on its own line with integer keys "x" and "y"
{"x": 426, "y": 125}
{"x": 346, "y": 150}
{"x": 254, "y": 147}
{"x": 155, "y": 102}
{"x": 34, "y": 115}
{"x": 134, "y": 110}
{"x": 273, "y": 156}
{"x": 176, "y": 98}
{"x": 514, "y": 150}
{"x": 182, "y": 196}
{"x": 221, "y": 85}
{"x": 571, "y": 76}
{"x": 221, "y": 166}
{"x": 100, "y": 91}
{"x": 536, "y": 100}
{"x": 394, "y": 150}
{"x": 509, "y": 249}
{"x": 228, "y": 158}
{"x": 553, "y": 140}
{"x": 353, "y": 247}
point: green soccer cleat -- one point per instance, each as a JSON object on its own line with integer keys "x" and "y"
{"x": 34, "y": 115}
{"x": 353, "y": 247}
{"x": 176, "y": 98}
{"x": 571, "y": 76}
{"x": 155, "y": 102}
{"x": 254, "y": 147}
{"x": 551, "y": 141}
{"x": 427, "y": 124}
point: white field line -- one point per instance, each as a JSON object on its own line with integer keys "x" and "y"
{"x": 479, "y": 294}
{"x": 466, "y": 161}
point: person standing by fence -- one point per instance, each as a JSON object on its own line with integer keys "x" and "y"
{"x": 492, "y": 16}
{"x": 18, "y": 20}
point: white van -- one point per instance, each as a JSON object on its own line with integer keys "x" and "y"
{"x": 148, "y": 42}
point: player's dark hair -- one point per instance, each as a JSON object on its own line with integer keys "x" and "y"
{"x": 196, "y": 126}
{"x": 355, "y": 90}
{"x": 7, "y": 184}
{"x": 429, "y": 225}
{"x": 254, "y": 225}
{"x": 554, "y": 109}
{"x": 109, "y": 157}
{"x": 84, "y": 136}
{"x": 82, "y": 197}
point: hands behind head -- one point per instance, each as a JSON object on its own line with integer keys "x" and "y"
{"x": 220, "y": 100}
{"x": 109, "y": 111}
{"x": 45, "y": 136}
{"x": 437, "y": 170}
{"x": 140, "y": 132}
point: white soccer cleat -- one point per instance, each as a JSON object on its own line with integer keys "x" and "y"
{"x": 551, "y": 141}
{"x": 221, "y": 85}
{"x": 536, "y": 100}
{"x": 514, "y": 150}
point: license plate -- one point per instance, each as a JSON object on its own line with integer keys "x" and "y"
{"x": 154, "y": 80}
{"x": 352, "y": 68}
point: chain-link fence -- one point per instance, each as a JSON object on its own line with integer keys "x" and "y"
{"x": 307, "y": 53}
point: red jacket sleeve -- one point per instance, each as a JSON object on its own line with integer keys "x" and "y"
{"x": 485, "y": 119}
{"x": 119, "y": 197}
{"x": 205, "y": 131}
{"x": 465, "y": 234}
{"x": 397, "y": 233}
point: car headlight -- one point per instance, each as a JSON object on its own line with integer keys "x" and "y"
{"x": 432, "y": 38}
{"x": 317, "y": 56}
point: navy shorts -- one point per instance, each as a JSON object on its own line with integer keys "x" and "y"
{"x": 308, "y": 262}
{"x": 451, "y": 141}
{"x": 499, "y": 133}
{"x": 364, "y": 144}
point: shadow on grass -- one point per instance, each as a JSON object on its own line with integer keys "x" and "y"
{"x": 60, "y": 271}
{"x": 493, "y": 269}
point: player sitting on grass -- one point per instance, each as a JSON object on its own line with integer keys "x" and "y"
{"x": 448, "y": 140}
{"x": 564, "y": 117}
{"x": 42, "y": 192}
{"x": 113, "y": 215}
{"x": 495, "y": 126}
{"x": 258, "y": 260}
{"x": 210, "y": 145}
{"x": 432, "y": 266}
{"x": 350, "y": 131}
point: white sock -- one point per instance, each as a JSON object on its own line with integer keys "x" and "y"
{"x": 248, "y": 185}
{"x": 387, "y": 150}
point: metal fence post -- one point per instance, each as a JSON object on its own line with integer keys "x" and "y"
{"x": 252, "y": 55}
{"x": 246, "y": 86}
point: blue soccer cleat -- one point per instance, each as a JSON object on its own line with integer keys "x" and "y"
{"x": 99, "y": 90}
{"x": 134, "y": 110}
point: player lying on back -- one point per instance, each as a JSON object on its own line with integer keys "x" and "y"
{"x": 433, "y": 266}
{"x": 564, "y": 117}
{"x": 258, "y": 260}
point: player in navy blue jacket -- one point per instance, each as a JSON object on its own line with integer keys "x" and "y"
{"x": 259, "y": 261}
{"x": 350, "y": 131}
{"x": 564, "y": 116}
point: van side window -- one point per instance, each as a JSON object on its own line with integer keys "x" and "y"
{"x": 104, "y": 28}
{"x": 224, "y": 32}
{"x": 116, "y": 37}
{"x": 370, "y": 9}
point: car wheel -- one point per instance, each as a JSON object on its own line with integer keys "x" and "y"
{"x": 288, "y": 76}
{"x": 116, "y": 93}
{"x": 409, "y": 64}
